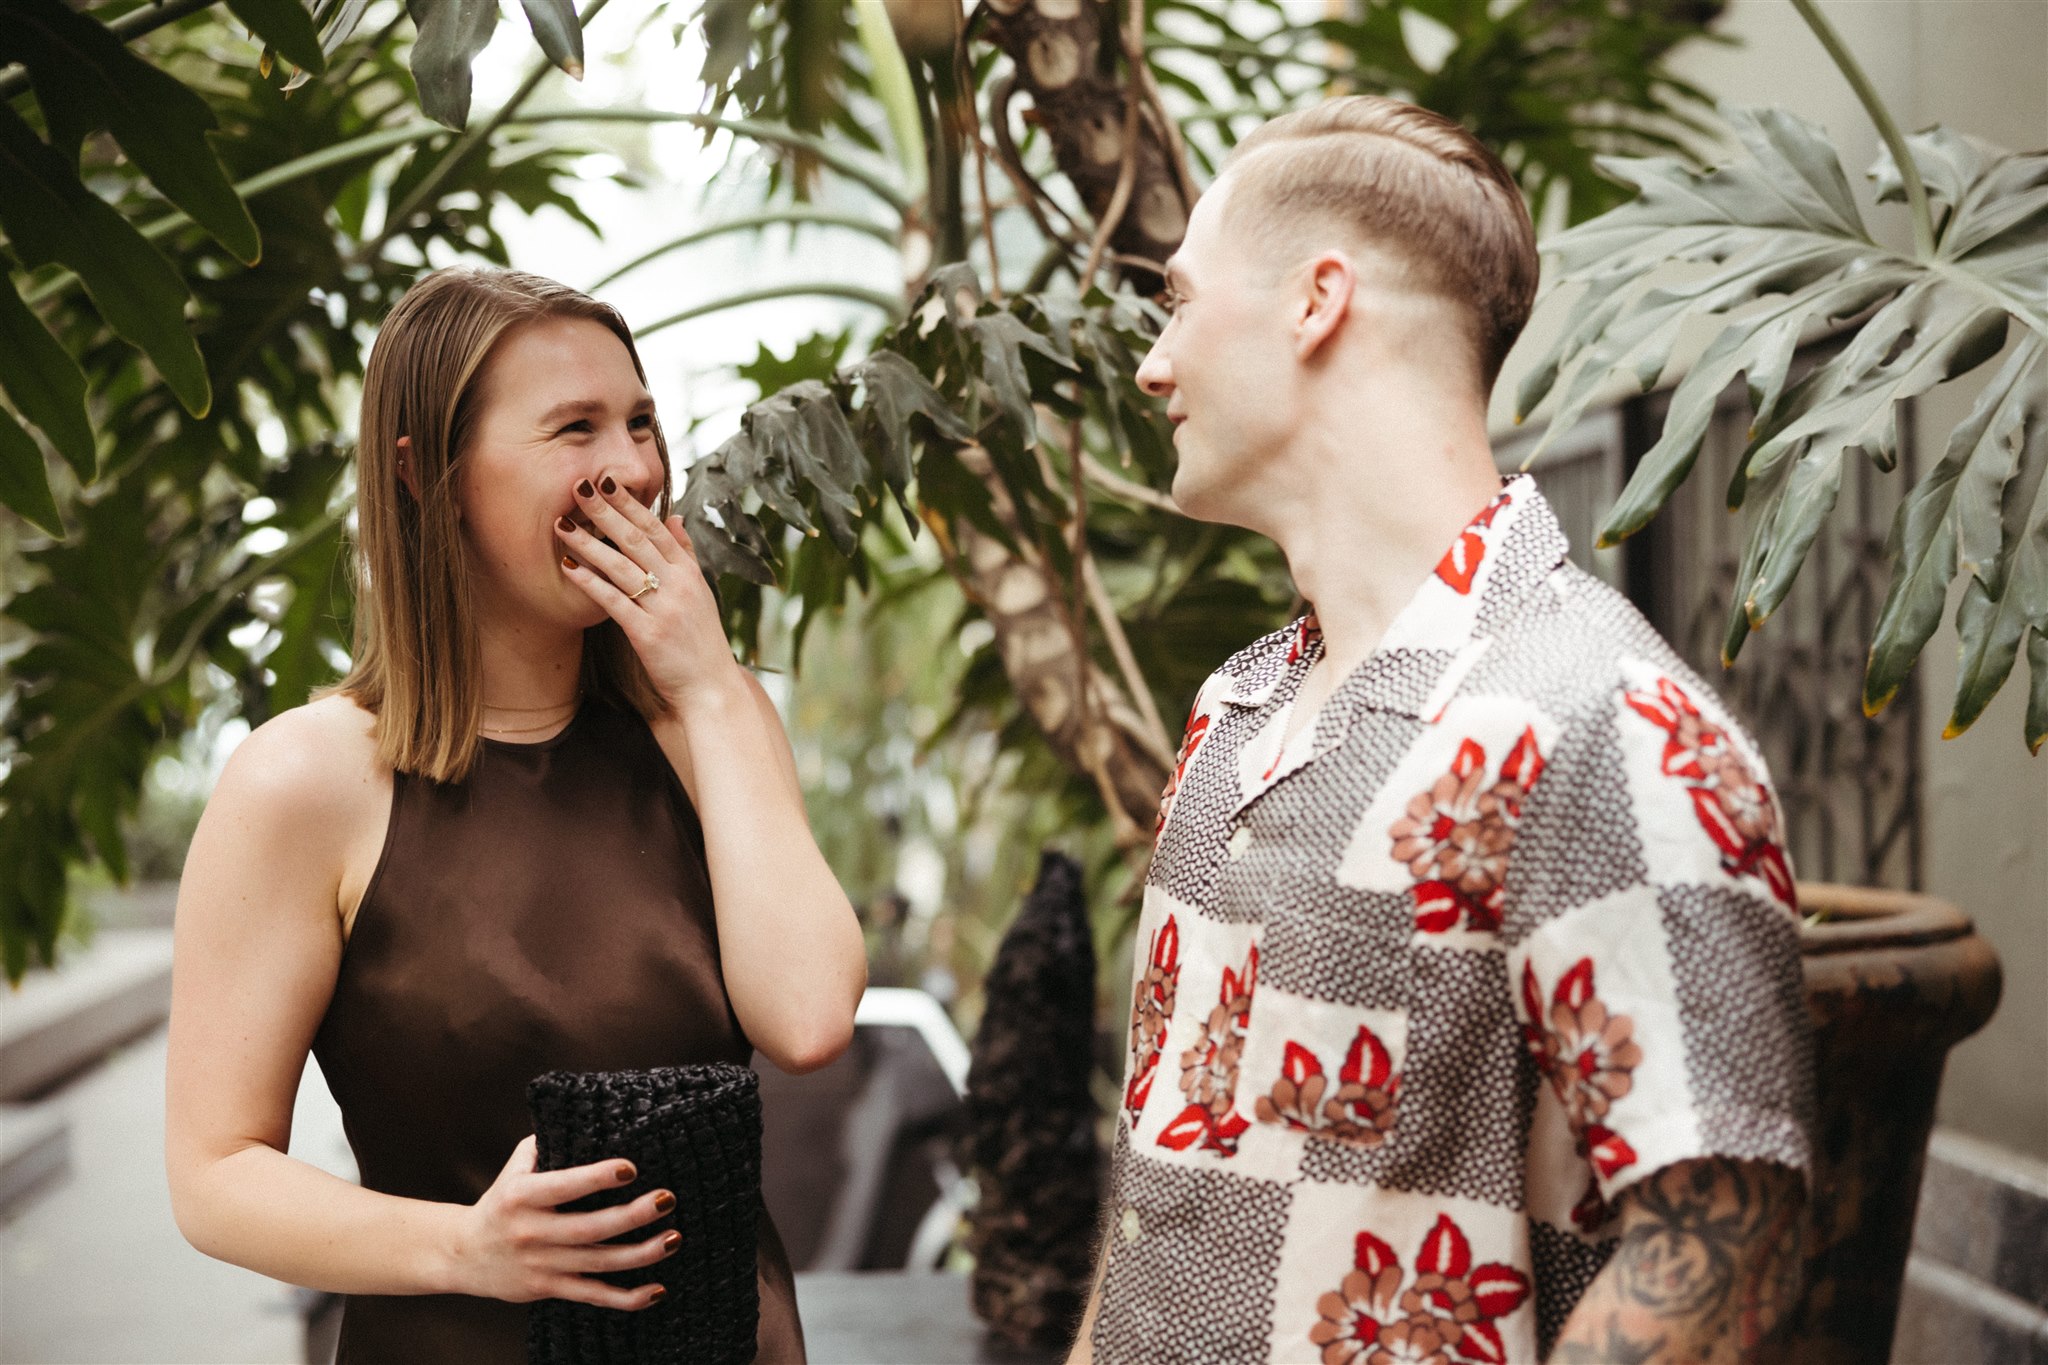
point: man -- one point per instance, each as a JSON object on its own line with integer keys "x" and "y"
{"x": 1467, "y": 1021}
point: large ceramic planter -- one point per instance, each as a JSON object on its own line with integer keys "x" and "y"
{"x": 1893, "y": 981}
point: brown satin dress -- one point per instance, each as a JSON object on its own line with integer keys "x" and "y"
{"x": 552, "y": 910}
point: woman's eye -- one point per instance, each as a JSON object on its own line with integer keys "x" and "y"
{"x": 644, "y": 422}
{"x": 580, "y": 426}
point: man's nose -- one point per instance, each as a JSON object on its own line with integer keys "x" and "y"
{"x": 1155, "y": 375}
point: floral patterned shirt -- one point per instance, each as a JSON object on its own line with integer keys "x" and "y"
{"x": 1419, "y": 992}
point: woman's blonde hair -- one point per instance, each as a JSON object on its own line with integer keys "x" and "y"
{"x": 417, "y": 658}
{"x": 1398, "y": 176}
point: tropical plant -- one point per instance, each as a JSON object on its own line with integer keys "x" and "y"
{"x": 200, "y": 558}
{"x": 1001, "y": 413}
{"x": 994, "y": 413}
{"x": 1783, "y": 250}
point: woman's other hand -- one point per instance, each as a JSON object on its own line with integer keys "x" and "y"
{"x": 674, "y": 626}
{"x": 514, "y": 1244}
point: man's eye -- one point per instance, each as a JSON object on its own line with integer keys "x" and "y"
{"x": 574, "y": 426}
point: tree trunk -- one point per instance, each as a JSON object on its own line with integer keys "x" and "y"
{"x": 1083, "y": 713}
{"x": 1065, "y": 54}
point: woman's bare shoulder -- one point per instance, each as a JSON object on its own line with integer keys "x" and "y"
{"x": 314, "y": 762}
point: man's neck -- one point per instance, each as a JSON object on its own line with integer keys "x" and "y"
{"x": 1381, "y": 489}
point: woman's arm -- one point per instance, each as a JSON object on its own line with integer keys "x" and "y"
{"x": 795, "y": 964}
{"x": 258, "y": 944}
{"x": 1708, "y": 1266}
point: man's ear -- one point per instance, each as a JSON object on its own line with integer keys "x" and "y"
{"x": 407, "y": 475}
{"x": 1325, "y": 302}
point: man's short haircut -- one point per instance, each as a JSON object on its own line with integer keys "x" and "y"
{"x": 1409, "y": 181}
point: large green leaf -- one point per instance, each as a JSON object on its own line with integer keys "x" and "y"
{"x": 1962, "y": 491}
{"x": 45, "y": 384}
{"x": 86, "y": 79}
{"x": 49, "y": 216}
{"x": 556, "y": 30}
{"x": 24, "y": 483}
{"x": 451, "y": 33}
{"x": 1771, "y": 246}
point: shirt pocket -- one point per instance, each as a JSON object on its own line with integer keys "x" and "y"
{"x": 1328, "y": 1034}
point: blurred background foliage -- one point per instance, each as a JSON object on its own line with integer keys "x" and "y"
{"x": 946, "y": 526}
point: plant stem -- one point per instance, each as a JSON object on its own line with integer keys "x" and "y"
{"x": 1887, "y": 128}
{"x": 888, "y": 304}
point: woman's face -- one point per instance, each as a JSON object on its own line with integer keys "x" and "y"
{"x": 561, "y": 403}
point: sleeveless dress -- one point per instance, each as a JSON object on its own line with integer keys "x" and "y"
{"x": 552, "y": 910}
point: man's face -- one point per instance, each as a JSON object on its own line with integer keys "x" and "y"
{"x": 1227, "y": 363}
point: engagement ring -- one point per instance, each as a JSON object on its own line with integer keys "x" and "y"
{"x": 649, "y": 586}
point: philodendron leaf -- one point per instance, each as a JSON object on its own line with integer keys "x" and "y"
{"x": 1993, "y": 617}
{"x": 286, "y": 25}
{"x": 87, "y": 79}
{"x": 451, "y": 33}
{"x": 1003, "y": 338}
{"x": 560, "y": 36}
{"x": 1777, "y": 246}
{"x": 45, "y": 384}
{"x": 1962, "y": 491}
{"x": 50, "y": 217}
{"x": 895, "y": 392}
{"x": 24, "y": 483}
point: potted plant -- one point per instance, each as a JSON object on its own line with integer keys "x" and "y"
{"x": 1779, "y": 249}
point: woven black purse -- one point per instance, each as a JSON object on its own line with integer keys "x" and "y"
{"x": 695, "y": 1130}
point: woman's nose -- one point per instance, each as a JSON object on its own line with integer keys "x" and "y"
{"x": 635, "y": 466}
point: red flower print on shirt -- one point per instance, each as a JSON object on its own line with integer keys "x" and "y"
{"x": 1589, "y": 1055}
{"x": 1151, "y": 1012}
{"x": 1362, "y": 1110}
{"x": 1460, "y": 564}
{"x": 1445, "y": 1314}
{"x": 1197, "y": 731}
{"x": 1732, "y": 806}
{"x": 1208, "y": 1070}
{"x": 1456, "y": 836}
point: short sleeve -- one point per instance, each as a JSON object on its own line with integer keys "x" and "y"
{"x": 1656, "y": 978}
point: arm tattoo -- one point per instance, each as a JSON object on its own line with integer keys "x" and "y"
{"x": 1708, "y": 1265}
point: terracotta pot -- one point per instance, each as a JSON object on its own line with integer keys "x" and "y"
{"x": 1893, "y": 981}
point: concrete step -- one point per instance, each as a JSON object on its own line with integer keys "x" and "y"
{"x": 58, "y": 1022}
{"x": 1976, "y": 1289}
{"x": 35, "y": 1148}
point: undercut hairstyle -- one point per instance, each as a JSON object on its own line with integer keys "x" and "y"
{"x": 417, "y": 660}
{"x": 1405, "y": 180}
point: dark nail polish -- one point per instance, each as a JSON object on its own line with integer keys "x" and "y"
{"x": 658, "y": 1295}
{"x": 609, "y": 485}
{"x": 624, "y": 1173}
{"x": 569, "y": 563}
{"x": 664, "y": 1201}
{"x": 584, "y": 490}
{"x": 564, "y": 525}
{"x": 671, "y": 1242}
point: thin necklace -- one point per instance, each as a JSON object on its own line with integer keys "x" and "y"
{"x": 522, "y": 730}
{"x": 563, "y": 711}
{"x": 531, "y": 710}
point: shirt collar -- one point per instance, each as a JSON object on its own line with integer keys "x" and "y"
{"x": 1509, "y": 548}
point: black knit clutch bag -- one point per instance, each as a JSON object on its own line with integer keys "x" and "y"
{"x": 695, "y": 1130}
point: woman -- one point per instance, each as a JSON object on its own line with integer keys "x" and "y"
{"x": 480, "y": 857}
